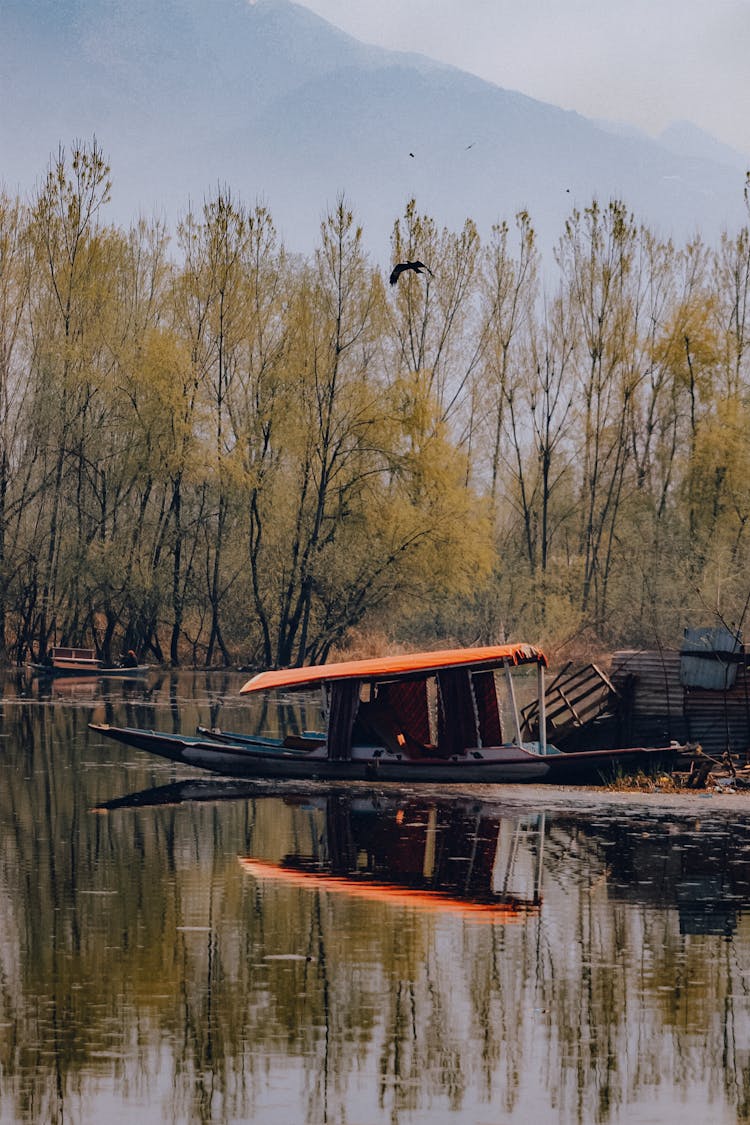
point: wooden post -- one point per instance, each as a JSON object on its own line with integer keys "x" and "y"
{"x": 514, "y": 705}
{"x": 542, "y": 710}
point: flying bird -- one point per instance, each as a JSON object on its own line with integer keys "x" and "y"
{"x": 399, "y": 269}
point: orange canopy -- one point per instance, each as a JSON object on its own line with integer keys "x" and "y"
{"x": 408, "y": 664}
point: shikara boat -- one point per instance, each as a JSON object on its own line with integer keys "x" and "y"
{"x": 433, "y": 717}
{"x": 66, "y": 661}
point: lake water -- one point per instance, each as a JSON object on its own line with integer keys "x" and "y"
{"x": 210, "y": 951}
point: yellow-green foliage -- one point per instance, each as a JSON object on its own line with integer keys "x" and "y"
{"x": 214, "y": 449}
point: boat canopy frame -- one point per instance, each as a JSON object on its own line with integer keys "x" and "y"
{"x": 397, "y": 712}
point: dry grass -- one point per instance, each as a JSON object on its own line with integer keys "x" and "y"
{"x": 643, "y": 783}
{"x": 718, "y": 780}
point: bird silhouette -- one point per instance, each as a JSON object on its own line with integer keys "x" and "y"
{"x": 401, "y": 266}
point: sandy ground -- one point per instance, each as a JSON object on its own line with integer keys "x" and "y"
{"x": 572, "y": 798}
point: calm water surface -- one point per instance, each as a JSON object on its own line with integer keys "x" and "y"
{"x": 222, "y": 952}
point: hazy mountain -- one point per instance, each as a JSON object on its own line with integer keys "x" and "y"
{"x": 686, "y": 139}
{"x": 274, "y": 101}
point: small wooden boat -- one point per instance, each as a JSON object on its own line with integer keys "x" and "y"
{"x": 65, "y": 661}
{"x": 422, "y": 717}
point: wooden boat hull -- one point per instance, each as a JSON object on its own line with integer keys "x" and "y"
{"x": 266, "y": 758}
{"x": 262, "y": 759}
{"x": 574, "y": 768}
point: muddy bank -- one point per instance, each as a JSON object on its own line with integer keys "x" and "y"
{"x": 535, "y": 798}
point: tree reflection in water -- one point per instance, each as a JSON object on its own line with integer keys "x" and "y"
{"x": 390, "y": 956}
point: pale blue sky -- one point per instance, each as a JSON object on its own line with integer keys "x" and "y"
{"x": 643, "y": 62}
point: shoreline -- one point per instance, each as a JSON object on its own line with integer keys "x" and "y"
{"x": 574, "y": 798}
{"x": 527, "y": 797}
{"x": 580, "y": 798}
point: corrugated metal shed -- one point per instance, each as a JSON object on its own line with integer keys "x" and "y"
{"x": 709, "y": 668}
{"x": 657, "y": 679}
{"x": 658, "y": 705}
{"x": 648, "y": 682}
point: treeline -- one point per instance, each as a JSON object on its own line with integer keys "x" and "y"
{"x": 214, "y": 450}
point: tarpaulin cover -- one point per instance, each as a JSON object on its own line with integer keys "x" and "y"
{"x": 407, "y": 664}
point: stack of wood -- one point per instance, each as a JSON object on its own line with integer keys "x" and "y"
{"x": 573, "y": 700}
{"x": 707, "y": 772}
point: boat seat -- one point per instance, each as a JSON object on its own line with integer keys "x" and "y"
{"x": 298, "y": 742}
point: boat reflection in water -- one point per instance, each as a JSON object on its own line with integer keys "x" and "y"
{"x": 457, "y": 855}
{"x": 339, "y": 964}
{"x": 463, "y": 858}
{"x": 469, "y": 857}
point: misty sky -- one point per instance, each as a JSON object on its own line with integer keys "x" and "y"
{"x": 644, "y": 62}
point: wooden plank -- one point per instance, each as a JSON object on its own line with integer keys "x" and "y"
{"x": 572, "y": 699}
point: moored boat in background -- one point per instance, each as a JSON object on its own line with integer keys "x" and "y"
{"x": 64, "y": 660}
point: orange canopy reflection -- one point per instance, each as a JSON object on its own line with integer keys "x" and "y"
{"x": 500, "y": 911}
